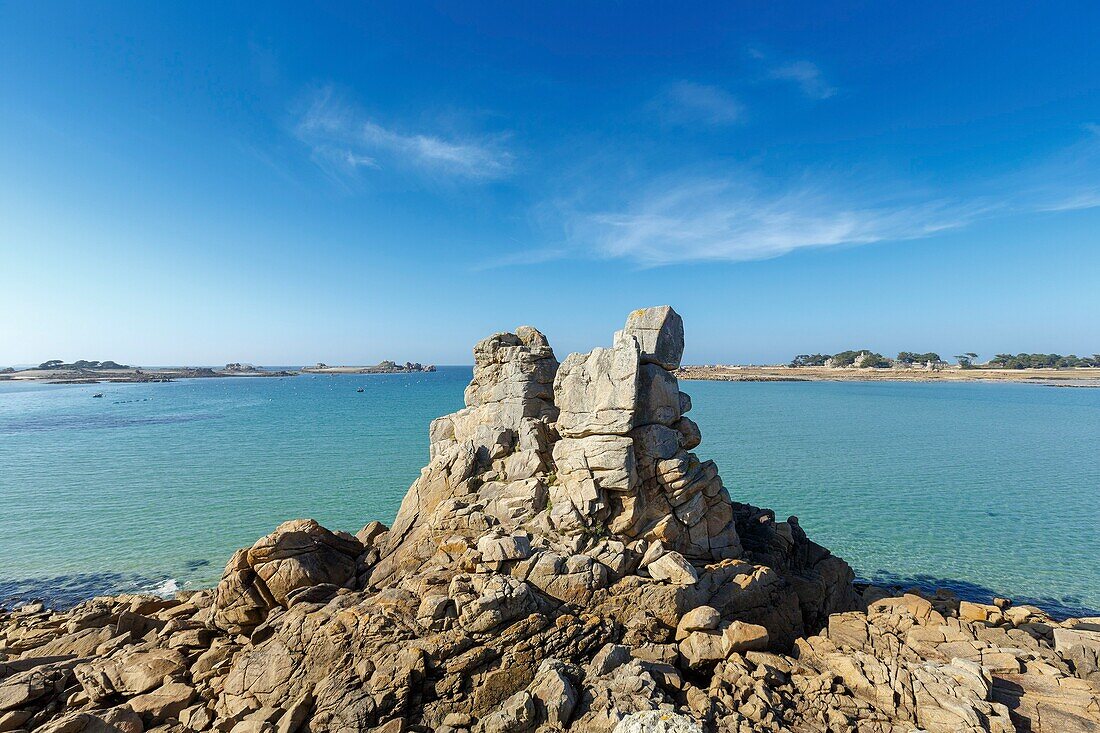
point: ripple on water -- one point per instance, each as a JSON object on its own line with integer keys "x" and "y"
{"x": 65, "y": 591}
{"x": 49, "y": 423}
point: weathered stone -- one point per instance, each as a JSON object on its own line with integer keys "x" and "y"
{"x": 656, "y": 442}
{"x": 658, "y": 397}
{"x": 513, "y": 375}
{"x": 498, "y": 599}
{"x": 654, "y": 550}
{"x": 977, "y": 611}
{"x": 302, "y": 553}
{"x": 196, "y": 717}
{"x": 554, "y": 693}
{"x": 702, "y": 648}
{"x": 509, "y": 406}
{"x": 691, "y": 437}
{"x": 253, "y": 726}
{"x": 700, "y": 618}
{"x": 674, "y": 568}
{"x": 116, "y": 720}
{"x": 517, "y": 714}
{"x": 298, "y": 554}
{"x": 588, "y": 469}
{"x": 657, "y": 721}
{"x": 596, "y": 392}
{"x": 30, "y": 686}
{"x": 1081, "y": 646}
{"x": 739, "y": 637}
{"x": 370, "y": 533}
{"x": 660, "y": 332}
{"x": 143, "y": 670}
{"x": 499, "y": 549}
{"x": 164, "y": 702}
{"x": 608, "y": 659}
{"x": 122, "y": 719}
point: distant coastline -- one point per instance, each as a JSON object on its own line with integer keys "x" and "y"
{"x": 1073, "y": 377}
{"x": 122, "y": 375}
{"x": 385, "y": 367}
{"x": 95, "y": 372}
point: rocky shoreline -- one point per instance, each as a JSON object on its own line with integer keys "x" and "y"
{"x": 564, "y": 562}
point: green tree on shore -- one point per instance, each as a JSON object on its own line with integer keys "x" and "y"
{"x": 803, "y": 360}
{"x": 912, "y": 357}
{"x": 966, "y": 361}
{"x": 1043, "y": 361}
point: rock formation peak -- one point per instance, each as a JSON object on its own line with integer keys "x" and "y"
{"x": 580, "y": 475}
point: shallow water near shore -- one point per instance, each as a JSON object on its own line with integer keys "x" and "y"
{"x": 984, "y": 488}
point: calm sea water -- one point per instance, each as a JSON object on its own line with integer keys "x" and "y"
{"x": 986, "y": 488}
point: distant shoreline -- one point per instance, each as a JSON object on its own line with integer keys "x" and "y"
{"x": 386, "y": 367}
{"x": 133, "y": 375}
{"x": 136, "y": 375}
{"x": 1077, "y": 377}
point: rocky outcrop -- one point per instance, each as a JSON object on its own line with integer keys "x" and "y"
{"x": 565, "y": 562}
{"x": 624, "y": 459}
{"x": 299, "y": 554}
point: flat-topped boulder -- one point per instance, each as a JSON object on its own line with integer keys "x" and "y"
{"x": 660, "y": 334}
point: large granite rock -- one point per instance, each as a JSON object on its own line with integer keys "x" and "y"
{"x": 660, "y": 333}
{"x": 564, "y": 562}
{"x": 298, "y": 554}
{"x": 597, "y": 392}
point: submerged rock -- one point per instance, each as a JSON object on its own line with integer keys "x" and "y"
{"x": 564, "y": 562}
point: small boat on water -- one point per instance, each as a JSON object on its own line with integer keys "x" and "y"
{"x": 359, "y": 390}
{"x": 98, "y": 394}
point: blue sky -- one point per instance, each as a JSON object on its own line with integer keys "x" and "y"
{"x": 212, "y": 182}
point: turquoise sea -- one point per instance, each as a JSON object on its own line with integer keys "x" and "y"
{"x": 985, "y": 488}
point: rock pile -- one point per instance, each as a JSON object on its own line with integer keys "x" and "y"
{"x": 565, "y": 562}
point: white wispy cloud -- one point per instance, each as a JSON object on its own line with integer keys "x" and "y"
{"x": 1066, "y": 180}
{"x": 687, "y": 101}
{"x": 807, "y": 76}
{"x": 695, "y": 219}
{"x": 740, "y": 214}
{"x": 343, "y": 140}
{"x": 1073, "y": 202}
{"x": 523, "y": 257}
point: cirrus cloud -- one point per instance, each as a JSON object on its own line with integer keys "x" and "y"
{"x": 688, "y": 101}
{"x": 738, "y": 214}
{"x": 343, "y": 140}
{"x": 807, "y": 76}
{"x": 696, "y": 219}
